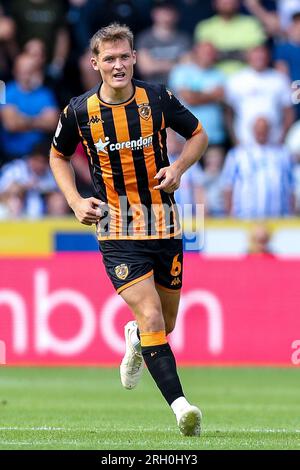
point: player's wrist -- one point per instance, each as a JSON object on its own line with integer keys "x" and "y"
{"x": 74, "y": 200}
{"x": 179, "y": 168}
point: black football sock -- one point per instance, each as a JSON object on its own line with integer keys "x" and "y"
{"x": 162, "y": 366}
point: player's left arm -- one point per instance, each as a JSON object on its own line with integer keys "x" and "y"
{"x": 192, "y": 151}
{"x": 186, "y": 124}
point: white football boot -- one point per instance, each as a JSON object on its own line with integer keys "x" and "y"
{"x": 189, "y": 421}
{"x": 188, "y": 417}
{"x": 132, "y": 364}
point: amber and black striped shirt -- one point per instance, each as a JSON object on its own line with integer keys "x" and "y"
{"x": 126, "y": 146}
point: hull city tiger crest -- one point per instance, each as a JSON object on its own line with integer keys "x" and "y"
{"x": 122, "y": 271}
{"x": 144, "y": 111}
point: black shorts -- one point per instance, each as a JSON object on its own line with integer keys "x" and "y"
{"x": 129, "y": 261}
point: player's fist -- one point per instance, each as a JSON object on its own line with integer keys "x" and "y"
{"x": 169, "y": 179}
{"x": 88, "y": 210}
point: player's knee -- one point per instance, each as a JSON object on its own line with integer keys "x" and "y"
{"x": 152, "y": 320}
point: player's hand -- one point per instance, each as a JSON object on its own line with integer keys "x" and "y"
{"x": 169, "y": 179}
{"x": 88, "y": 211}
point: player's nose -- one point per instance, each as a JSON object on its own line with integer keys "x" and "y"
{"x": 118, "y": 64}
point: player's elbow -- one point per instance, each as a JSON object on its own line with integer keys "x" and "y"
{"x": 51, "y": 160}
{"x": 201, "y": 138}
{"x": 204, "y": 137}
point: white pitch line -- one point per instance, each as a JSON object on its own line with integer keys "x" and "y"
{"x": 38, "y": 443}
{"x": 42, "y": 428}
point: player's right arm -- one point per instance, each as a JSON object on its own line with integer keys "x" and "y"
{"x": 65, "y": 141}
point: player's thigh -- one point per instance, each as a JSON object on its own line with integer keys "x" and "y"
{"x": 126, "y": 262}
{"x": 170, "y": 305}
{"x": 144, "y": 301}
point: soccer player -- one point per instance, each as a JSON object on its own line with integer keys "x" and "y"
{"x": 122, "y": 125}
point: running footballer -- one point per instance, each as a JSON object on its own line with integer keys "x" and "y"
{"x": 122, "y": 124}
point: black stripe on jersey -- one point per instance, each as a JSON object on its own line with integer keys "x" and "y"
{"x": 163, "y": 139}
{"x": 116, "y": 166}
{"x": 95, "y": 170}
{"x": 90, "y": 150}
{"x": 134, "y": 128}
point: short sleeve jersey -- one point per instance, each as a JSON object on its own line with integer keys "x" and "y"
{"x": 126, "y": 146}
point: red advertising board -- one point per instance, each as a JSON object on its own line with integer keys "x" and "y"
{"x": 63, "y": 310}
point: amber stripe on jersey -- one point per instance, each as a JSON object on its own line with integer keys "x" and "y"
{"x": 146, "y": 127}
{"x": 97, "y": 133}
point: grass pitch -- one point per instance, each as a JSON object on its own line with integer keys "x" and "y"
{"x": 86, "y": 408}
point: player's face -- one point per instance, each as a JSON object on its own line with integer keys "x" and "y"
{"x": 115, "y": 63}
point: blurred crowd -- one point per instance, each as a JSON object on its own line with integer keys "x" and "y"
{"x": 234, "y": 63}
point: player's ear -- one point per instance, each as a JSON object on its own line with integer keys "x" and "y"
{"x": 94, "y": 63}
{"x": 134, "y": 56}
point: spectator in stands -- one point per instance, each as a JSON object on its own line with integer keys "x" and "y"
{"x": 33, "y": 178}
{"x": 191, "y": 12}
{"x": 293, "y": 144}
{"x": 211, "y": 182}
{"x": 85, "y": 16}
{"x": 200, "y": 86}
{"x": 78, "y": 18}
{"x": 258, "y": 178}
{"x": 8, "y": 46}
{"x": 276, "y": 23}
{"x": 43, "y": 19}
{"x": 36, "y": 49}
{"x": 231, "y": 33}
{"x": 258, "y": 90}
{"x": 259, "y": 240}
{"x": 161, "y": 46}
{"x": 12, "y": 202}
{"x": 292, "y": 140}
{"x": 56, "y": 205}
{"x": 30, "y": 111}
{"x": 287, "y": 54}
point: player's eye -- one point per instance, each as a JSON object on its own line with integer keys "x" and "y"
{"x": 125, "y": 56}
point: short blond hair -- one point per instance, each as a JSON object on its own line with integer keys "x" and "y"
{"x": 111, "y": 33}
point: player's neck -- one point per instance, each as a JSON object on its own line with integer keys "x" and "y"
{"x": 115, "y": 96}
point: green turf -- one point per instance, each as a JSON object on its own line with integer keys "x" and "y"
{"x": 86, "y": 408}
